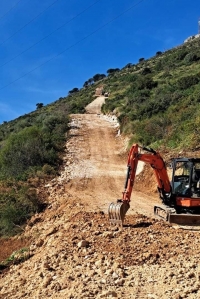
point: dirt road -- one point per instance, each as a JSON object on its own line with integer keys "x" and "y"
{"x": 98, "y": 156}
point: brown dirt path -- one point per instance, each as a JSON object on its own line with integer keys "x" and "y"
{"x": 99, "y": 157}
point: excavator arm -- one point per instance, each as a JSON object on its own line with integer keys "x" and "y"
{"x": 155, "y": 160}
{"x": 118, "y": 210}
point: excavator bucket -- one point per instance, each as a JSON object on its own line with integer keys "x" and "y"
{"x": 117, "y": 211}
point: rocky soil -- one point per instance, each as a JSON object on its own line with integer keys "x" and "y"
{"x": 75, "y": 253}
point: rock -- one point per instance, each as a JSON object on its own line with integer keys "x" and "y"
{"x": 51, "y": 231}
{"x": 39, "y": 242}
{"x": 83, "y": 243}
{"x": 115, "y": 275}
{"x": 107, "y": 235}
{"x": 98, "y": 263}
{"x": 108, "y": 294}
{"x": 120, "y": 282}
{"x": 47, "y": 280}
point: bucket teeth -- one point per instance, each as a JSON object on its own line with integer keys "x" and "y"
{"x": 117, "y": 212}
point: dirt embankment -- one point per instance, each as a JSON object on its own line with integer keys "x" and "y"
{"x": 74, "y": 253}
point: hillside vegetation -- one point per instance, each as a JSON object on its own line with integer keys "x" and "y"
{"x": 156, "y": 101}
{"x": 31, "y": 148}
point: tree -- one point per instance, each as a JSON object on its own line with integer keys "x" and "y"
{"x": 86, "y": 84}
{"x": 75, "y": 89}
{"x": 98, "y": 77}
{"x": 111, "y": 71}
{"x": 90, "y": 81}
{"x": 39, "y": 105}
{"x": 158, "y": 53}
{"x": 141, "y": 59}
{"x": 128, "y": 65}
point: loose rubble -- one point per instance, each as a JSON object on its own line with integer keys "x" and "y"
{"x": 83, "y": 257}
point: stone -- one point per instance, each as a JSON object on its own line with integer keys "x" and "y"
{"x": 83, "y": 243}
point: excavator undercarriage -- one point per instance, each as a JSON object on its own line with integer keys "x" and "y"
{"x": 170, "y": 215}
{"x": 180, "y": 197}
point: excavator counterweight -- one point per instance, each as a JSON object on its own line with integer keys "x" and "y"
{"x": 180, "y": 197}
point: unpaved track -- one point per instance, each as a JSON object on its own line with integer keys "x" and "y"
{"x": 99, "y": 158}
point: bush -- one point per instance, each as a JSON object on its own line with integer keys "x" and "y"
{"x": 49, "y": 170}
{"x": 190, "y": 57}
{"x": 139, "y": 96}
{"x": 29, "y": 148}
{"x": 146, "y": 83}
{"x": 145, "y": 71}
{"x": 17, "y": 205}
{"x": 187, "y": 81}
{"x": 10, "y": 217}
{"x": 159, "y": 66}
{"x": 181, "y": 54}
{"x": 152, "y": 130}
{"x": 21, "y": 151}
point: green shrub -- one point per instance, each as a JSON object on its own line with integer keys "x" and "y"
{"x": 187, "y": 81}
{"x": 10, "y": 217}
{"x": 159, "y": 65}
{"x": 49, "y": 170}
{"x": 17, "y": 204}
{"x": 146, "y": 83}
{"x": 145, "y": 71}
{"x": 190, "y": 57}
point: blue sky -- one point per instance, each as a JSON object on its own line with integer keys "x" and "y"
{"x": 49, "y": 47}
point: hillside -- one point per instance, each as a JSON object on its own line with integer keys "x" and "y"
{"x": 70, "y": 250}
{"x": 157, "y": 100}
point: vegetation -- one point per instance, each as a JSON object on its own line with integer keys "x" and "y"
{"x": 157, "y": 100}
{"x": 157, "y": 104}
{"x": 16, "y": 257}
{"x": 31, "y": 147}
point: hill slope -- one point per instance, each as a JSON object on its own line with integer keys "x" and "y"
{"x": 74, "y": 253}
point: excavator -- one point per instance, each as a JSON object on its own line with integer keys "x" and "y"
{"x": 180, "y": 197}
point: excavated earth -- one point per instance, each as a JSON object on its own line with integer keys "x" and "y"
{"x": 75, "y": 253}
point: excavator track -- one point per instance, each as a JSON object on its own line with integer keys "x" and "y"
{"x": 185, "y": 219}
{"x": 169, "y": 214}
{"x": 164, "y": 212}
{"x": 117, "y": 211}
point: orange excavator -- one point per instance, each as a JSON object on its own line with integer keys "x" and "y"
{"x": 180, "y": 197}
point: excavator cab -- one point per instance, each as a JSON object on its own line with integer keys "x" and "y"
{"x": 181, "y": 177}
{"x": 186, "y": 177}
